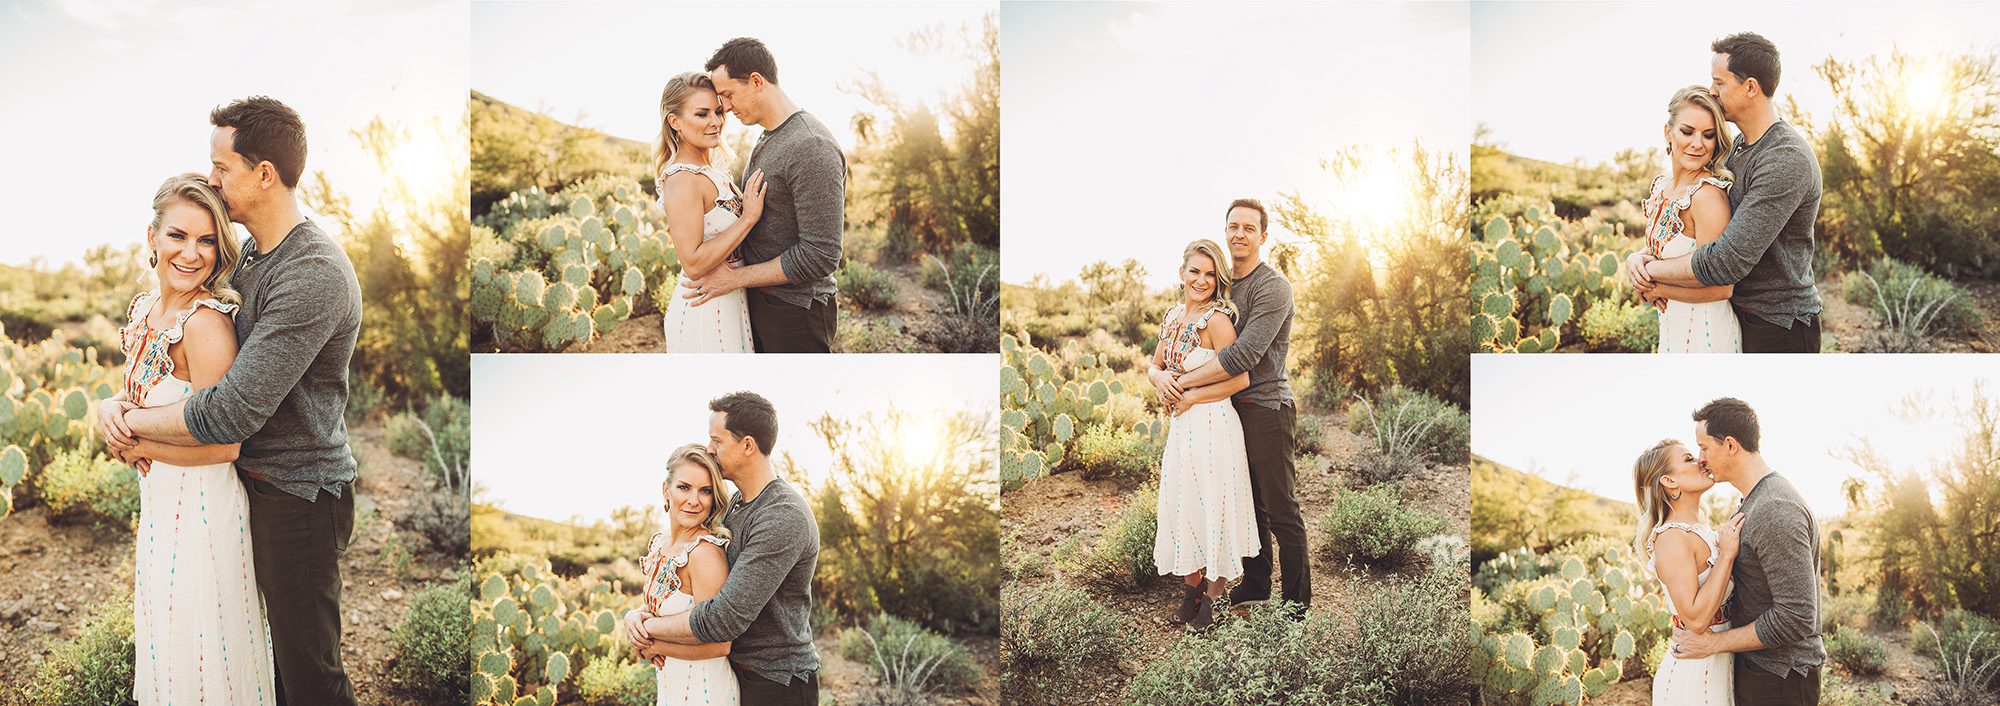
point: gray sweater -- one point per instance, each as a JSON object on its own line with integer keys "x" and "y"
{"x": 1767, "y": 250}
{"x": 805, "y": 196}
{"x": 285, "y": 397}
{"x": 766, "y": 604}
{"x": 1263, "y": 301}
{"x": 1777, "y": 579}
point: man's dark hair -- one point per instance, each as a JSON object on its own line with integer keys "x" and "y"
{"x": 1751, "y": 56}
{"x": 1263, "y": 218}
{"x": 1727, "y": 417}
{"x": 748, "y": 414}
{"x": 745, "y": 56}
{"x": 266, "y": 131}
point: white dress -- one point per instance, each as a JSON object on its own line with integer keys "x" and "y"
{"x": 679, "y": 682}
{"x": 199, "y": 628}
{"x": 1698, "y": 682}
{"x": 1708, "y": 327}
{"x": 722, "y": 325}
{"x": 1207, "y": 517}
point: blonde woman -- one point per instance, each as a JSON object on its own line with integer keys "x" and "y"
{"x": 199, "y": 625}
{"x": 707, "y": 217}
{"x": 1207, "y": 517}
{"x": 685, "y": 565}
{"x": 1688, "y": 208}
{"x": 1692, "y": 563}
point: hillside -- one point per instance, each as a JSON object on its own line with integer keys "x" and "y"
{"x": 514, "y": 148}
{"x": 1513, "y": 508}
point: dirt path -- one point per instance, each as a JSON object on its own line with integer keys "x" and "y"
{"x": 1045, "y": 512}
{"x": 62, "y": 570}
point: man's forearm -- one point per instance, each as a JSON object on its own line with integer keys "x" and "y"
{"x": 1678, "y": 271}
{"x": 672, "y": 628}
{"x": 1208, "y": 373}
{"x": 166, "y": 424}
{"x": 1739, "y": 639}
{"x": 768, "y": 273}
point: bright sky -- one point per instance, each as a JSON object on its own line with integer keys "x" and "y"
{"x": 1130, "y": 127}
{"x": 602, "y": 64}
{"x": 108, "y": 98}
{"x": 1563, "y": 81}
{"x": 1580, "y": 420}
{"x": 557, "y": 436}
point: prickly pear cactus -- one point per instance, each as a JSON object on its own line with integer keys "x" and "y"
{"x": 1534, "y": 274}
{"x": 1561, "y": 627}
{"x": 1045, "y": 405}
{"x": 533, "y": 631}
{"x": 48, "y": 391}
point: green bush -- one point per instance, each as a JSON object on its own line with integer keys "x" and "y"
{"x": 1048, "y": 636}
{"x": 435, "y": 642}
{"x": 865, "y": 286}
{"x": 1854, "y": 651}
{"x": 365, "y": 399}
{"x": 1621, "y": 327}
{"x": 857, "y": 335}
{"x": 1912, "y": 300}
{"x": 1850, "y": 608}
{"x": 615, "y": 681}
{"x": 1122, "y": 556}
{"x": 1267, "y": 657}
{"x": 450, "y": 419}
{"x": 406, "y": 437}
{"x": 1408, "y": 639}
{"x": 1372, "y": 525}
{"x": 908, "y": 655}
{"x": 1431, "y": 427}
{"x": 92, "y": 669}
{"x": 972, "y": 268}
{"x": 1107, "y": 451}
{"x": 1965, "y": 635}
{"x": 80, "y": 485}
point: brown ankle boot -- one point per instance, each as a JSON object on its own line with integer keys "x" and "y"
{"x": 1211, "y": 611}
{"x": 1191, "y": 597}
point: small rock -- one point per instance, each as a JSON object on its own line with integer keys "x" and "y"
{"x": 16, "y": 611}
{"x": 392, "y": 595}
{"x": 62, "y": 607}
{"x": 44, "y": 625}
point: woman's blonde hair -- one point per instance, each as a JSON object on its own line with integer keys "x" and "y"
{"x": 193, "y": 188}
{"x": 1652, "y": 465}
{"x": 1700, "y": 97}
{"x": 1220, "y": 298}
{"x": 672, "y": 98}
{"x": 697, "y": 455}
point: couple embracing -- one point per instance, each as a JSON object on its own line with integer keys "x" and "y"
{"x": 233, "y": 411}
{"x": 1226, "y": 475}
{"x": 757, "y": 260}
{"x": 727, "y": 604}
{"x": 1744, "y": 598}
{"x": 1728, "y": 259}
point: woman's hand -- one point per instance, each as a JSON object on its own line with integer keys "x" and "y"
{"x": 1729, "y": 538}
{"x": 1635, "y": 270}
{"x": 1170, "y": 389}
{"x": 753, "y": 196}
{"x": 111, "y": 419}
{"x": 635, "y": 629}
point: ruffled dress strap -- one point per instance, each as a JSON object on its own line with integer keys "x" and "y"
{"x": 1687, "y": 199}
{"x": 133, "y": 333}
{"x": 1699, "y": 532}
{"x": 680, "y": 560}
{"x": 173, "y": 334}
{"x": 725, "y": 192}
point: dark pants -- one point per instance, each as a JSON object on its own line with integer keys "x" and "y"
{"x": 1760, "y": 336}
{"x": 779, "y": 327}
{"x": 296, "y": 544}
{"x": 1267, "y": 436}
{"x": 1756, "y": 687}
{"x": 758, "y": 691}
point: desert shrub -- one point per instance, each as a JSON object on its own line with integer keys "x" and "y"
{"x": 93, "y": 668}
{"x": 1266, "y": 657}
{"x": 406, "y": 437}
{"x": 1407, "y": 429}
{"x": 866, "y": 286}
{"x": 1963, "y": 644}
{"x": 1837, "y": 690}
{"x": 1310, "y": 438}
{"x": 435, "y": 641}
{"x": 1122, "y": 556}
{"x": 1850, "y": 608}
{"x": 1049, "y": 635}
{"x": 1371, "y": 524}
{"x": 1854, "y": 651}
{"x": 1622, "y": 327}
{"x": 86, "y": 486}
{"x": 616, "y": 682}
{"x": 450, "y": 421}
{"x": 365, "y": 399}
{"x": 909, "y": 656}
{"x": 1105, "y": 451}
{"x": 968, "y": 321}
{"x": 1407, "y": 640}
{"x": 1911, "y": 305}
{"x": 857, "y": 335}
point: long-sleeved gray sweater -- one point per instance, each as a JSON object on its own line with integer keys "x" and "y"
{"x": 766, "y": 604}
{"x": 1777, "y": 578}
{"x": 1263, "y": 300}
{"x": 805, "y": 198}
{"x": 1767, "y": 250}
{"x": 285, "y": 397}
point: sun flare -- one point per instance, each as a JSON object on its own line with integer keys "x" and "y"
{"x": 1374, "y": 198}
{"x": 1926, "y": 91}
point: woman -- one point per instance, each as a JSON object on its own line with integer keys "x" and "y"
{"x": 1207, "y": 521}
{"x": 686, "y": 565}
{"x": 706, "y": 216}
{"x": 1692, "y": 563}
{"x": 199, "y": 628}
{"x": 1683, "y": 213}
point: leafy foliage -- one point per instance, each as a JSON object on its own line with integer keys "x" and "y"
{"x": 1049, "y": 636}
{"x": 1558, "y": 627}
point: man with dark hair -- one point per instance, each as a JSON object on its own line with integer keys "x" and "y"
{"x": 1766, "y": 251}
{"x": 1264, "y": 300}
{"x": 1774, "y": 610}
{"x": 765, "y": 606}
{"x": 790, "y": 254}
{"x": 285, "y": 397}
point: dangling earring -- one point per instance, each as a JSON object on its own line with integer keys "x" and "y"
{"x": 153, "y": 259}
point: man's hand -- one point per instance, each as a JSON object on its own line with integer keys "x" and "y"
{"x": 635, "y": 629}
{"x": 1635, "y": 270}
{"x": 1691, "y": 646}
{"x": 1170, "y": 388}
{"x": 111, "y": 419}
{"x": 722, "y": 280}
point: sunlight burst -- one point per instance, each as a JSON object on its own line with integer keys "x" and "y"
{"x": 1926, "y": 90}
{"x": 1373, "y": 199}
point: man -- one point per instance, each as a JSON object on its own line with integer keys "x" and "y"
{"x": 1767, "y": 249}
{"x": 1775, "y": 606}
{"x": 1264, "y": 299}
{"x": 765, "y": 606}
{"x": 285, "y": 398}
{"x": 791, "y": 253}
